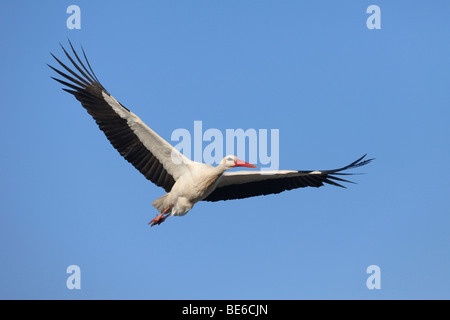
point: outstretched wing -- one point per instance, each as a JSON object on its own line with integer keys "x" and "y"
{"x": 154, "y": 157}
{"x": 245, "y": 184}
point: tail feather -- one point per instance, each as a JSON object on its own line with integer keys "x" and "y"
{"x": 159, "y": 203}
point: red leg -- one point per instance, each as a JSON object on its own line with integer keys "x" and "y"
{"x": 160, "y": 217}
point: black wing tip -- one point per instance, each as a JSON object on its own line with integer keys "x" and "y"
{"x": 84, "y": 75}
{"x": 62, "y": 47}
{"x": 357, "y": 163}
{"x": 330, "y": 176}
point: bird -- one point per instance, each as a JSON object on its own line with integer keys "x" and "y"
{"x": 185, "y": 181}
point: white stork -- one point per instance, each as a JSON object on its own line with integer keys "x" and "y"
{"x": 186, "y": 182}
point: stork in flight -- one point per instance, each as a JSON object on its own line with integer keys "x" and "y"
{"x": 186, "y": 182}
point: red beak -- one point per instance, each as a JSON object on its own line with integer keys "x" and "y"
{"x": 240, "y": 163}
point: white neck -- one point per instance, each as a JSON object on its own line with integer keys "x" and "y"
{"x": 221, "y": 168}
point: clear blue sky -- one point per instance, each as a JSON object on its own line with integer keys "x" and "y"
{"x": 313, "y": 70}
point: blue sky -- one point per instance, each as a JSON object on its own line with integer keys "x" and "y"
{"x": 335, "y": 89}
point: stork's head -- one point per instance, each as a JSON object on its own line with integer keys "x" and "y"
{"x": 232, "y": 161}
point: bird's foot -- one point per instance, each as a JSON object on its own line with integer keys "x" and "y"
{"x": 160, "y": 218}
